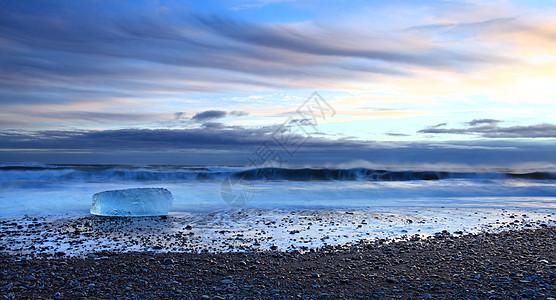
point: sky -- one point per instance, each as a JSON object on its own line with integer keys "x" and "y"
{"x": 311, "y": 82}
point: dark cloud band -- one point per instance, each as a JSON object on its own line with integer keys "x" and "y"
{"x": 488, "y": 128}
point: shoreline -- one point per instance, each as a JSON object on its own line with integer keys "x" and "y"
{"x": 506, "y": 264}
{"x": 251, "y": 229}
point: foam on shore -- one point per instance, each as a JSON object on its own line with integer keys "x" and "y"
{"x": 251, "y": 229}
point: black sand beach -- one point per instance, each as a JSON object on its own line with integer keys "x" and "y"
{"x": 510, "y": 264}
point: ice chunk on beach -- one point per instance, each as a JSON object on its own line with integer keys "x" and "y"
{"x": 132, "y": 202}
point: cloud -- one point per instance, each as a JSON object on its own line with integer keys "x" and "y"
{"x": 237, "y": 113}
{"x": 36, "y": 115}
{"x": 438, "y": 125}
{"x": 213, "y": 125}
{"x": 178, "y": 115}
{"x": 208, "y": 115}
{"x": 205, "y": 146}
{"x": 533, "y": 131}
{"x": 317, "y": 42}
{"x": 130, "y": 54}
{"x": 471, "y": 147}
{"x": 481, "y": 121}
{"x": 470, "y": 29}
{"x": 216, "y": 114}
{"x": 302, "y": 122}
{"x": 210, "y": 135}
{"x": 396, "y": 134}
{"x": 443, "y": 130}
{"x": 100, "y": 117}
{"x": 148, "y": 59}
{"x": 487, "y": 128}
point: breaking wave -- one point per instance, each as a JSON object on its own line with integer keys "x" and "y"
{"x": 105, "y": 173}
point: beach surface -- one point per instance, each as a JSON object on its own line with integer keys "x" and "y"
{"x": 306, "y": 254}
{"x": 306, "y": 234}
{"x": 510, "y": 264}
{"x": 247, "y": 229}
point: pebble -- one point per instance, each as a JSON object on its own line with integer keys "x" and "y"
{"x": 409, "y": 269}
{"x": 529, "y": 293}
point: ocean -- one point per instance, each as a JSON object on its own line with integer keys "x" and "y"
{"x": 51, "y": 189}
{"x": 341, "y": 205}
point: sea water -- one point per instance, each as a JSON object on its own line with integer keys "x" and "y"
{"x": 55, "y": 189}
{"x": 286, "y": 208}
